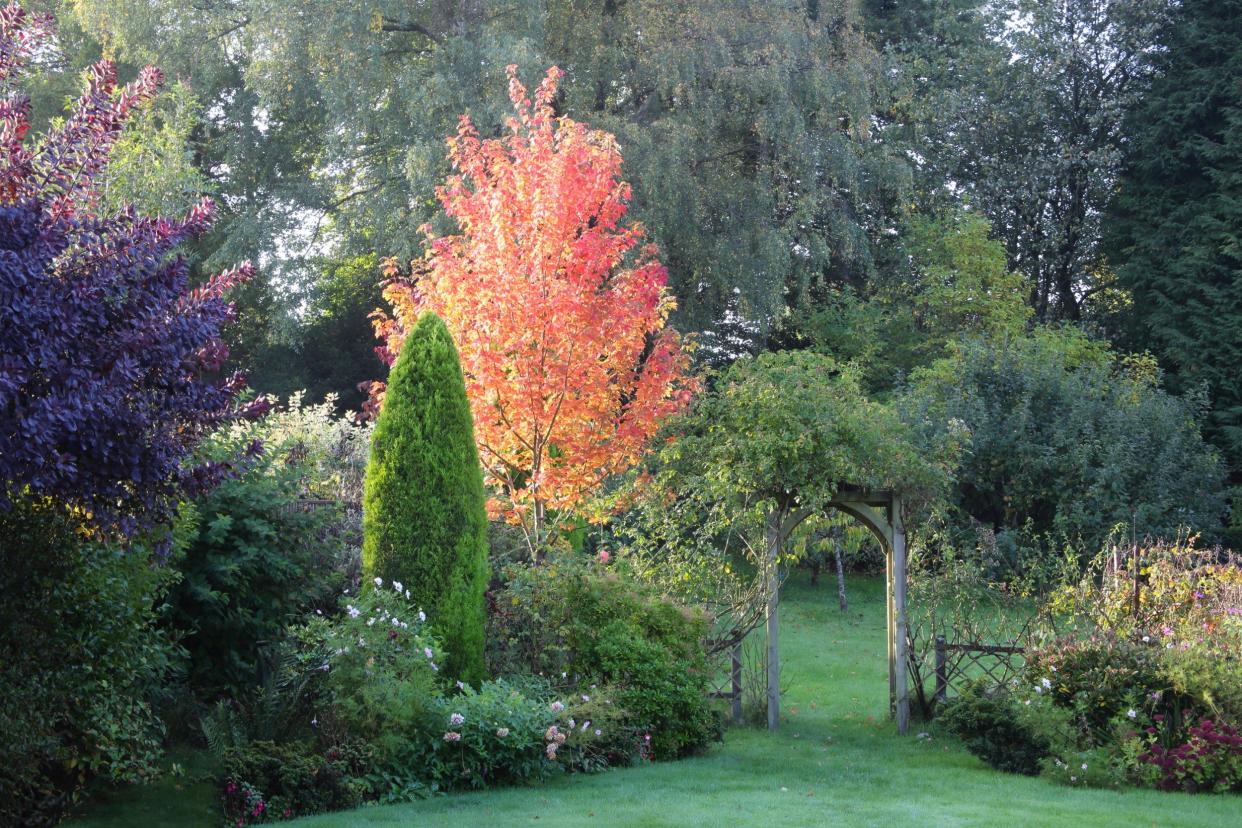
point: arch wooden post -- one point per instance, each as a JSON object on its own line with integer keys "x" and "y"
{"x": 880, "y": 512}
{"x": 897, "y": 588}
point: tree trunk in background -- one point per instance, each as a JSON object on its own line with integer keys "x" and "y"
{"x": 836, "y": 553}
{"x": 773, "y": 590}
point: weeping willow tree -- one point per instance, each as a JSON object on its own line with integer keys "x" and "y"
{"x": 748, "y": 128}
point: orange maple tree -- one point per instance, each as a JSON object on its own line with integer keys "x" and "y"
{"x": 557, "y": 307}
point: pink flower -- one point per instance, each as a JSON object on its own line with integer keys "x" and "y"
{"x": 603, "y": 556}
{"x": 456, "y": 719}
{"x": 452, "y": 736}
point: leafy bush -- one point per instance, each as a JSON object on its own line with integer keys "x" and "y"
{"x": 352, "y": 697}
{"x": 1172, "y": 592}
{"x": 80, "y": 658}
{"x": 424, "y": 519}
{"x": 109, "y": 360}
{"x": 266, "y": 781}
{"x": 280, "y": 709}
{"x": 1095, "y": 679}
{"x": 491, "y": 736}
{"x": 1209, "y": 760}
{"x": 1098, "y": 767}
{"x": 1181, "y": 617}
{"x": 379, "y": 661}
{"x": 990, "y": 724}
{"x": 1148, "y": 688}
{"x": 1070, "y": 440}
{"x": 599, "y": 732}
{"x": 589, "y": 623}
{"x": 369, "y": 677}
{"x": 255, "y": 566}
{"x": 330, "y": 453}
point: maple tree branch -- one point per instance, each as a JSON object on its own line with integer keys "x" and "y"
{"x": 564, "y": 390}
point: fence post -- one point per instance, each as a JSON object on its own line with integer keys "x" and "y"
{"x": 942, "y": 678}
{"x": 735, "y": 696}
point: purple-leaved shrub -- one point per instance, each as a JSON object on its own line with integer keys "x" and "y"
{"x": 109, "y": 359}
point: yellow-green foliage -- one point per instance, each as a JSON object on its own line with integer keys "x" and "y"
{"x": 424, "y": 522}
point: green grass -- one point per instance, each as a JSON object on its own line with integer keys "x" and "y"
{"x": 836, "y": 761}
{"x": 187, "y": 799}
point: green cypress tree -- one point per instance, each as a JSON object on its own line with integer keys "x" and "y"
{"x": 424, "y": 522}
{"x": 1175, "y": 227}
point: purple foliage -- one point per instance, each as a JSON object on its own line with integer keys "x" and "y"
{"x": 106, "y": 353}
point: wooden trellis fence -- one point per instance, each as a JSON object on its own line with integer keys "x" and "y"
{"x": 956, "y": 663}
{"x": 731, "y": 687}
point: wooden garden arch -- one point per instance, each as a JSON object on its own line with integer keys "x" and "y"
{"x": 880, "y": 512}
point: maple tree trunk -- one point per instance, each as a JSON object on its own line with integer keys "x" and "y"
{"x": 538, "y": 550}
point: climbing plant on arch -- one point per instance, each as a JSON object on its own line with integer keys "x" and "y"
{"x": 779, "y": 438}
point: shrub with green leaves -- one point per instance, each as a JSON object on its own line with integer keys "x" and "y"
{"x": 268, "y": 781}
{"x": 380, "y": 664}
{"x": 1067, "y": 440}
{"x": 257, "y": 564}
{"x": 491, "y": 736}
{"x": 424, "y": 519}
{"x": 1095, "y": 678}
{"x": 988, "y": 721}
{"x": 589, "y": 623}
{"x": 80, "y": 659}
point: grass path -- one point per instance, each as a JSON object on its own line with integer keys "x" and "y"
{"x": 836, "y": 761}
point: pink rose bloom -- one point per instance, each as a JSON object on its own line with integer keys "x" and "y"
{"x": 603, "y": 556}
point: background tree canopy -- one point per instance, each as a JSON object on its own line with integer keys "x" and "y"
{"x": 1067, "y": 442}
{"x": 1175, "y": 223}
{"x": 747, "y": 129}
{"x": 868, "y": 179}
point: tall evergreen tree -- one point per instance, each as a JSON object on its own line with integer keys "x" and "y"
{"x": 424, "y": 521}
{"x": 1175, "y": 229}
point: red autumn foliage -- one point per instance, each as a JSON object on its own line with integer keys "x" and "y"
{"x": 558, "y": 308}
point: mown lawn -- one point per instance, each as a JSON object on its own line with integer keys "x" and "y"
{"x": 836, "y": 761}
